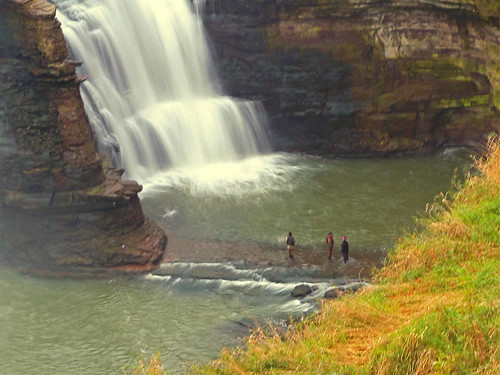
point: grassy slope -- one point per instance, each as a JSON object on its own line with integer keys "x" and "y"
{"x": 434, "y": 307}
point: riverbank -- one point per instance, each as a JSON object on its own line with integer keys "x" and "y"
{"x": 434, "y": 307}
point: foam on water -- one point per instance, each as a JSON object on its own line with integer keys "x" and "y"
{"x": 254, "y": 175}
{"x": 230, "y": 279}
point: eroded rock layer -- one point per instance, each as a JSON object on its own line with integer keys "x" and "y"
{"x": 60, "y": 208}
{"x": 364, "y": 77}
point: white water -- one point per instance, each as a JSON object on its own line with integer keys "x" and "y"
{"x": 152, "y": 95}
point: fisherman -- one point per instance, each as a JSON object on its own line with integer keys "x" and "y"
{"x": 290, "y": 244}
{"x": 331, "y": 244}
{"x": 345, "y": 249}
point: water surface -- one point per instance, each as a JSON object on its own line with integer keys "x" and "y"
{"x": 227, "y": 264}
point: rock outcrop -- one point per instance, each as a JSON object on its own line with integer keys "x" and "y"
{"x": 301, "y": 290}
{"x": 61, "y": 207}
{"x": 363, "y": 77}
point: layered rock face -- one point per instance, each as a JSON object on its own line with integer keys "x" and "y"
{"x": 363, "y": 77}
{"x": 60, "y": 207}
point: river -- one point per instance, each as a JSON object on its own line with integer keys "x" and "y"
{"x": 226, "y": 263}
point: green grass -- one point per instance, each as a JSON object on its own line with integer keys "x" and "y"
{"x": 450, "y": 340}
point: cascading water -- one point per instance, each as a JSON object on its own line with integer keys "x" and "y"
{"x": 151, "y": 94}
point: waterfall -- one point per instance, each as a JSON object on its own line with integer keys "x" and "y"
{"x": 152, "y": 95}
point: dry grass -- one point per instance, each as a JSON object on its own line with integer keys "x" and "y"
{"x": 490, "y": 165}
{"x": 445, "y": 234}
{"x": 151, "y": 367}
{"x": 344, "y": 333}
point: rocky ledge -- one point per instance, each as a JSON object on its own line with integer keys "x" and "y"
{"x": 61, "y": 208}
{"x": 87, "y": 230}
{"x": 363, "y": 77}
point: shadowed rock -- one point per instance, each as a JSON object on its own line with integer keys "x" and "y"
{"x": 333, "y": 293}
{"x": 337, "y": 292}
{"x": 61, "y": 208}
{"x": 364, "y": 77}
{"x": 301, "y": 290}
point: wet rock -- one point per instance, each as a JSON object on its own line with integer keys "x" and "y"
{"x": 338, "y": 291}
{"x": 333, "y": 293}
{"x": 301, "y": 290}
{"x": 354, "y": 287}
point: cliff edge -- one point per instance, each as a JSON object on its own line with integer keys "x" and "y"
{"x": 363, "y": 77}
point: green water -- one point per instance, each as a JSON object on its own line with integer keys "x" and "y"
{"x": 97, "y": 327}
{"x": 227, "y": 226}
{"x": 368, "y": 200}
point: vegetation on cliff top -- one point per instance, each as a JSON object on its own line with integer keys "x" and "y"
{"x": 433, "y": 308}
{"x": 489, "y": 8}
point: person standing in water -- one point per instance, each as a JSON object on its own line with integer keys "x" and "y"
{"x": 345, "y": 249}
{"x": 331, "y": 244}
{"x": 290, "y": 244}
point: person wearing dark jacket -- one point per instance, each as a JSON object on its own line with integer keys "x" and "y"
{"x": 290, "y": 244}
{"x": 345, "y": 249}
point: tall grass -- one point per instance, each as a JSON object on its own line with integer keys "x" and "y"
{"x": 152, "y": 366}
{"x": 434, "y": 308}
{"x": 456, "y": 254}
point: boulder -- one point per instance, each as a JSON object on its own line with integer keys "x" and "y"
{"x": 333, "y": 293}
{"x": 340, "y": 290}
{"x": 354, "y": 287}
{"x": 301, "y": 290}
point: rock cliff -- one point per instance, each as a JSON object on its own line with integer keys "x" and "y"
{"x": 363, "y": 77}
{"x": 61, "y": 207}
